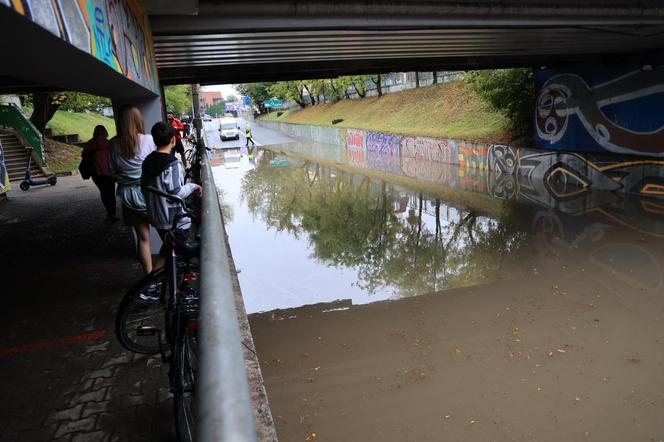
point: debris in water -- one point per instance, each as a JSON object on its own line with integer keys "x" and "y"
{"x": 447, "y": 416}
{"x": 312, "y": 436}
{"x": 633, "y": 360}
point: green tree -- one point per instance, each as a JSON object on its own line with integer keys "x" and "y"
{"x": 258, "y": 92}
{"x": 315, "y": 89}
{"x": 359, "y": 84}
{"x": 510, "y": 92}
{"x": 45, "y": 105}
{"x": 378, "y": 82}
{"x": 178, "y": 98}
{"x": 289, "y": 90}
{"x": 81, "y": 102}
{"x": 217, "y": 109}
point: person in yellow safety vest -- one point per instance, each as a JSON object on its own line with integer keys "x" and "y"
{"x": 247, "y": 134}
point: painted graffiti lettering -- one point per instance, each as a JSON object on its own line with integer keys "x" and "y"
{"x": 429, "y": 149}
{"x": 356, "y": 156}
{"x": 355, "y": 138}
{"x": 382, "y": 143}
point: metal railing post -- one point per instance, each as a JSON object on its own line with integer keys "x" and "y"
{"x": 224, "y": 403}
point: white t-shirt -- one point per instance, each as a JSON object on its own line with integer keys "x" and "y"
{"x": 120, "y": 164}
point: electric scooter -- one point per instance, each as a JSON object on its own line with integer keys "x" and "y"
{"x": 28, "y": 181}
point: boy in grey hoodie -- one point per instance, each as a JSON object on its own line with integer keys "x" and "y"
{"x": 164, "y": 172}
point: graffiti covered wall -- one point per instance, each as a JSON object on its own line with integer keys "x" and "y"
{"x": 594, "y": 108}
{"x": 116, "y": 32}
{"x": 4, "y": 176}
{"x": 502, "y": 169}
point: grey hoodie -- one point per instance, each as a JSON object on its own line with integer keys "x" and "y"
{"x": 163, "y": 172}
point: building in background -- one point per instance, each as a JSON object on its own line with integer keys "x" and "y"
{"x": 209, "y": 99}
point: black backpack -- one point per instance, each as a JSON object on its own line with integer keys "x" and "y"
{"x": 87, "y": 165}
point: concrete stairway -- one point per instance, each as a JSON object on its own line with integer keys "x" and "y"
{"x": 16, "y": 155}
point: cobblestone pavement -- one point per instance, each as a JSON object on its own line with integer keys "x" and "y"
{"x": 63, "y": 375}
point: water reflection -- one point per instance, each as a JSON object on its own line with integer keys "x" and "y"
{"x": 538, "y": 316}
{"x": 367, "y": 237}
{"x": 408, "y": 241}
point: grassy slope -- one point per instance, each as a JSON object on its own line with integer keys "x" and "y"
{"x": 449, "y": 110}
{"x": 61, "y": 157}
{"x": 79, "y": 123}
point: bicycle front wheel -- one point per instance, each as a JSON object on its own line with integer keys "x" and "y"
{"x": 143, "y": 307}
{"x": 184, "y": 397}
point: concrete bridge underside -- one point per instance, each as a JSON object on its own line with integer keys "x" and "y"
{"x": 208, "y": 42}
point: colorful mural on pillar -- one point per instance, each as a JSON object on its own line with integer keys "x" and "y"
{"x": 116, "y": 32}
{"x": 595, "y": 108}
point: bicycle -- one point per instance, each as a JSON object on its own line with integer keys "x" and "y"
{"x": 193, "y": 172}
{"x": 163, "y": 307}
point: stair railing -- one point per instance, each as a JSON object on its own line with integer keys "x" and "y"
{"x": 11, "y": 115}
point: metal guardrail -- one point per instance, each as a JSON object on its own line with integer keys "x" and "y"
{"x": 10, "y": 115}
{"x": 224, "y": 403}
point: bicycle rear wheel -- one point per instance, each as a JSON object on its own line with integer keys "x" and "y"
{"x": 143, "y": 306}
{"x": 184, "y": 397}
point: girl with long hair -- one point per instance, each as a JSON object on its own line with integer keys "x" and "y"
{"x": 128, "y": 150}
{"x": 101, "y": 175}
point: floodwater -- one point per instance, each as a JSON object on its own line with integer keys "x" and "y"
{"x": 388, "y": 308}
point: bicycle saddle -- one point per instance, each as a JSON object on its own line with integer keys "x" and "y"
{"x": 185, "y": 247}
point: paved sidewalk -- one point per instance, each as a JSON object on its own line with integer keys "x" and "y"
{"x": 63, "y": 375}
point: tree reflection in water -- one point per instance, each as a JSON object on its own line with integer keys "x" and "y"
{"x": 392, "y": 236}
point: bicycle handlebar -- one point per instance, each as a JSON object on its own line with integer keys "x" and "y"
{"x": 170, "y": 197}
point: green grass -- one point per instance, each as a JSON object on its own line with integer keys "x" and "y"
{"x": 449, "y": 110}
{"x": 61, "y": 157}
{"x": 83, "y": 124}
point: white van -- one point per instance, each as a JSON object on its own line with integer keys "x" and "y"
{"x": 229, "y": 129}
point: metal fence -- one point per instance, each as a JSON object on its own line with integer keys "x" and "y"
{"x": 224, "y": 403}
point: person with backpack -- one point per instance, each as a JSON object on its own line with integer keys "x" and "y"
{"x": 95, "y": 161}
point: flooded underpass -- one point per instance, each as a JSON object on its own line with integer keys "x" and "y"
{"x": 389, "y": 308}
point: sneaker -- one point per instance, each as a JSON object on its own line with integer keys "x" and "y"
{"x": 151, "y": 294}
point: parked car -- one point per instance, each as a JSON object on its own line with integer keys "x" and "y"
{"x": 229, "y": 129}
{"x": 207, "y": 117}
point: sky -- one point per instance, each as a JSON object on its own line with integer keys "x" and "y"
{"x": 225, "y": 89}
